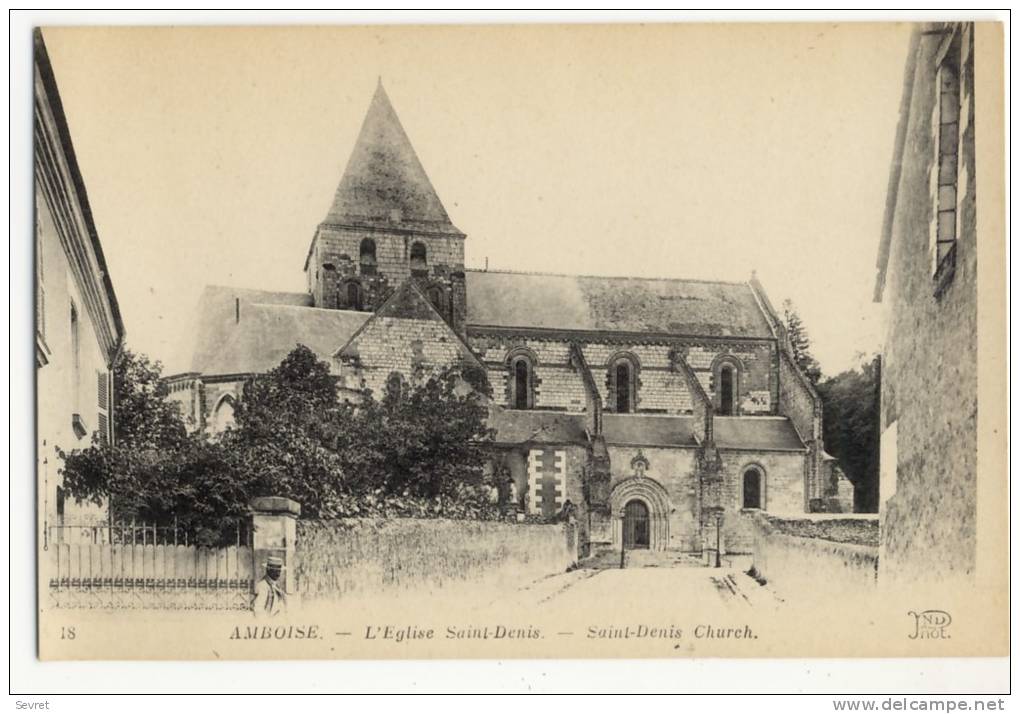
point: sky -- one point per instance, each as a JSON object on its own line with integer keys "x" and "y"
{"x": 210, "y": 155}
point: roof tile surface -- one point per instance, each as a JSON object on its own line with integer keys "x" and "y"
{"x": 578, "y": 302}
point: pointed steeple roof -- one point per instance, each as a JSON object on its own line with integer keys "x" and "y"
{"x": 384, "y": 184}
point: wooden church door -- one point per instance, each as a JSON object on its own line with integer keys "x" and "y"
{"x": 635, "y": 525}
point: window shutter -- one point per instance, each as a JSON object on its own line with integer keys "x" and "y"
{"x": 103, "y": 401}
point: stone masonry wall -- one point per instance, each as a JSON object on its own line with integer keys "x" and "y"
{"x": 801, "y": 405}
{"x": 364, "y": 558}
{"x": 676, "y": 471}
{"x": 518, "y": 462}
{"x": 929, "y": 365}
{"x": 822, "y": 570}
{"x": 661, "y": 387}
{"x": 757, "y": 383}
{"x": 783, "y": 490}
{"x": 341, "y": 247}
{"x": 795, "y": 399}
{"x": 408, "y": 346}
{"x": 211, "y": 396}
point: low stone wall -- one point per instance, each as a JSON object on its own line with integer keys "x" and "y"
{"x": 856, "y": 529}
{"x": 807, "y": 557}
{"x": 365, "y": 558}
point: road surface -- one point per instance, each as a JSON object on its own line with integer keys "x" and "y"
{"x": 690, "y": 588}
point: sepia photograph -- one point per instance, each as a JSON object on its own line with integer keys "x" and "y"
{"x": 671, "y": 340}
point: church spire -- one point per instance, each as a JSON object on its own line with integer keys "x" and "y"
{"x": 384, "y": 184}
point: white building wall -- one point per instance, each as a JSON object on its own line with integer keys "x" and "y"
{"x": 59, "y": 395}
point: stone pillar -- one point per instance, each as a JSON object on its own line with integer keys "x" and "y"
{"x": 458, "y": 302}
{"x": 600, "y": 529}
{"x": 617, "y": 521}
{"x": 274, "y": 533}
{"x": 713, "y": 543}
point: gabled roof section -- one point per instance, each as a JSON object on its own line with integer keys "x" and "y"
{"x": 384, "y": 185}
{"x": 513, "y": 426}
{"x": 616, "y": 304}
{"x": 407, "y": 302}
{"x": 243, "y": 331}
{"x": 266, "y": 334}
{"x": 768, "y": 433}
{"x": 652, "y": 430}
{"x": 740, "y": 433}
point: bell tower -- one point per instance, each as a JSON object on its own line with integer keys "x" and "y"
{"x": 386, "y": 225}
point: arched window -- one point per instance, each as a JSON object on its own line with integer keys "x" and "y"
{"x": 223, "y": 417}
{"x": 521, "y": 380}
{"x": 726, "y": 390}
{"x": 435, "y": 296}
{"x": 623, "y": 387}
{"x": 622, "y": 383}
{"x": 726, "y": 371}
{"x": 354, "y": 296}
{"x": 419, "y": 258}
{"x": 752, "y": 490}
{"x": 367, "y": 256}
{"x": 521, "y": 397}
{"x": 395, "y": 386}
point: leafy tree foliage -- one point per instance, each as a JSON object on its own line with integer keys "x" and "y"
{"x": 154, "y": 471}
{"x": 420, "y": 450}
{"x": 422, "y": 447}
{"x": 148, "y": 430}
{"x": 850, "y": 403}
{"x": 144, "y": 417}
{"x": 285, "y": 432}
{"x": 851, "y": 416}
{"x": 800, "y": 342}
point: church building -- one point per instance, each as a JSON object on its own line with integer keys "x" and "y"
{"x": 659, "y": 410}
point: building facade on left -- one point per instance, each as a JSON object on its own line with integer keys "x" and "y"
{"x": 78, "y": 327}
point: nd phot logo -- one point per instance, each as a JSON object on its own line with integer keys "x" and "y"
{"x": 930, "y": 625}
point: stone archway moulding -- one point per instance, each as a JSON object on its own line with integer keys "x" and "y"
{"x": 654, "y": 496}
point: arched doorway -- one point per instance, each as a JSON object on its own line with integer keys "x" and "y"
{"x": 641, "y": 511}
{"x": 635, "y": 525}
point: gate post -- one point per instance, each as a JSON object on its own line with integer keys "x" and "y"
{"x": 274, "y": 533}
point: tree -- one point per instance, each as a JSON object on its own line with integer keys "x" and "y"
{"x": 800, "y": 343}
{"x": 147, "y": 429}
{"x": 851, "y": 415}
{"x": 154, "y": 471}
{"x": 144, "y": 416}
{"x": 420, "y": 441}
{"x": 283, "y": 442}
{"x": 420, "y": 450}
